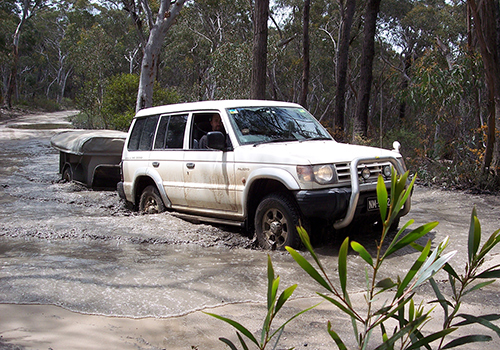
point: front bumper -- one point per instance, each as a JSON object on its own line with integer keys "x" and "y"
{"x": 343, "y": 204}
{"x": 332, "y": 204}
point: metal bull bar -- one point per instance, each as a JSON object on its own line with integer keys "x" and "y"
{"x": 355, "y": 188}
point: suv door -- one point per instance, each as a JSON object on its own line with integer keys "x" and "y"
{"x": 208, "y": 173}
{"x": 167, "y": 156}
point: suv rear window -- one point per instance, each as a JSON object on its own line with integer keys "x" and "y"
{"x": 141, "y": 136}
{"x": 171, "y": 132}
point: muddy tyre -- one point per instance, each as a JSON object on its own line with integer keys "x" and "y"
{"x": 151, "y": 202}
{"x": 276, "y": 219}
{"x": 67, "y": 175}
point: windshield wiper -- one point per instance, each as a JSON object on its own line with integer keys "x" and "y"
{"x": 316, "y": 138}
{"x": 275, "y": 140}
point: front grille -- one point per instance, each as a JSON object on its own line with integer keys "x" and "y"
{"x": 344, "y": 172}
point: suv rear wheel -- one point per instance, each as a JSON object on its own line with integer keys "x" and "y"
{"x": 150, "y": 202}
{"x": 276, "y": 219}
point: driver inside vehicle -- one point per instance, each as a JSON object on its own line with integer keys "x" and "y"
{"x": 216, "y": 124}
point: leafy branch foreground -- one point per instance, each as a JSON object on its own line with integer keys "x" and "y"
{"x": 390, "y": 305}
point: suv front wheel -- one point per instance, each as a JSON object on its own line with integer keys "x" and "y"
{"x": 276, "y": 221}
{"x": 150, "y": 202}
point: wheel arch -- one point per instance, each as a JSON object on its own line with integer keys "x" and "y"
{"x": 141, "y": 182}
{"x": 262, "y": 182}
{"x": 143, "y": 178}
{"x": 259, "y": 189}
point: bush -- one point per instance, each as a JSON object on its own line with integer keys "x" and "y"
{"x": 399, "y": 319}
{"x": 116, "y": 108}
{"x": 120, "y": 99}
{"x": 40, "y": 103}
{"x": 120, "y": 95}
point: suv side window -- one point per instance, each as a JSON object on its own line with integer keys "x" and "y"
{"x": 141, "y": 136}
{"x": 202, "y": 125}
{"x": 171, "y": 132}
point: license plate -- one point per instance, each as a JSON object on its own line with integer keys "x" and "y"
{"x": 373, "y": 204}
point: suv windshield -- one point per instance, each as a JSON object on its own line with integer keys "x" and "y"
{"x": 254, "y": 125}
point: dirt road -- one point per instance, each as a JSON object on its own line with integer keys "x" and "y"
{"x": 80, "y": 271}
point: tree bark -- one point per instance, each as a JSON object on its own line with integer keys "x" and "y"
{"x": 405, "y": 83}
{"x": 485, "y": 20}
{"x": 259, "y": 59}
{"x": 360, "y": 128}
{"x": 305, "y": 54}
{"x": 342, "y": 64}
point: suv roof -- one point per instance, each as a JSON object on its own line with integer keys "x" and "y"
{"x": 211, "y": 105}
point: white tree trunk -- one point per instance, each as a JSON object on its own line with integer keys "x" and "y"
{"x": 158, "y": 30}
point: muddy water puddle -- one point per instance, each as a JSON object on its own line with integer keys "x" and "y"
{"x": 133, "y": 280}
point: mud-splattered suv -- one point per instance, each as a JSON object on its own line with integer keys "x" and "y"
{"x": 264, "y": 165}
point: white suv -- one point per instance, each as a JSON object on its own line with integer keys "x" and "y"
{"x": 264, "y": 165}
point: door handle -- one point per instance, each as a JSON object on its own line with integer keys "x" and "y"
{"x": 190, "y": 165}
{"x": 156, "y": 164}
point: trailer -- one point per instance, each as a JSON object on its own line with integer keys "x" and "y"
{"x": 90, "y": 157}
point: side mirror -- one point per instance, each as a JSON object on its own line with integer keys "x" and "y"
{"x": 216, "y": 140}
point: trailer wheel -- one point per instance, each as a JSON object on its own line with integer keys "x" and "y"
{"x": 67, "y": 174}
{"x": 151, "y": 202}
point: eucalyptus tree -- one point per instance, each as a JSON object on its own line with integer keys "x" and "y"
{"x": 305, "y": 53}
{"x": 210, "y": 55}
{"x": 93, "y": 68}
{"x": 259, "y": 53}
{"x": 100, "y": 39}
{"x": 54, "y": 48}
{"x": 427, "y": 37}
{"x": 158, "y": 25}
{"x": 9, "y": 16}
{"x": 288, "y": 57}
{"x": 485, "y": 15}
{"x": 360, "y": 127}
{"x": 416, "y": 27}
{"x": 347, "y": 10}
{"x": 25, "y": 9}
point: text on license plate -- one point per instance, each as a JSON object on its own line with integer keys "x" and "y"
{"x": 373, "y": 204}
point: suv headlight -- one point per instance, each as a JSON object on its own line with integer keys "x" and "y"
{"x": 387, "y": 171}
{"x": 323, "y": 174}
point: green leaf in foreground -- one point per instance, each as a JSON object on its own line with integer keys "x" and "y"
{"x": 489, "y": 274}
{"x": 287, "y": 293}
{"x": 410, "y": 238}
{"x": 363, "y": 253}
{"x": 335, "y": 337}
{"x": 485, "y": 321}
{"x": 342, "y": 259}
{"x": 228, "y": 343}
{"x": 430, "y": 338}
{"x": 467, "y": 340}
{"x": 474, "y": 235}
{"x": 307, "y": 267}
{"x": 382, "y": 197}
